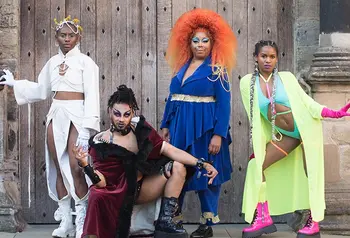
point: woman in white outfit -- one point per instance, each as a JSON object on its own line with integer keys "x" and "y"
{"x": 72, "y": 78}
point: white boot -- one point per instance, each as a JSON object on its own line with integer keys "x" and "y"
{"x": 64, "y": 214}
{"x": 80, "y": 212}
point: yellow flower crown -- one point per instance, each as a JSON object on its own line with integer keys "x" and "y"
{"x": 68, "y": 20}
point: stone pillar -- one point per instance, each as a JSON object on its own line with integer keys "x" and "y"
{"x": 306, "y": 33}
{"x": 10, "y": 207}
{"x": 329, "y": 77}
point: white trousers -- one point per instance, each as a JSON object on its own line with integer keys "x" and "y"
{"x": 61, "y": 114}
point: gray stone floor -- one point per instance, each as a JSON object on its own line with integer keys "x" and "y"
{"x": 220, "y": 231}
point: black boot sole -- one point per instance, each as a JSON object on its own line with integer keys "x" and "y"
{"x": 141, "y": 236}
{"x": 202, "y": 236}
{"x": 316, "y": 235}
{"x": 162, "y": 234}
{"x": 266, "y": 230}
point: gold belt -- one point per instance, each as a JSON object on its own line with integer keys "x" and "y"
{"x": 190, "y": 98}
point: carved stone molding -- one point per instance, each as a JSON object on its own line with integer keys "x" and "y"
{"x": 331, "y": 65}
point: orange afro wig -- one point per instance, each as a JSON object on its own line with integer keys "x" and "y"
{"x": 223, "y": 54}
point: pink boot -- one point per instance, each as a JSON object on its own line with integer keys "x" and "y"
{"x": 262, "y": 223}
{"x": 311, "y": 229}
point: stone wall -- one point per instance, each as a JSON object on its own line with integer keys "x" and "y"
{"x": 10, "y": 218}
{"x": 306, "y": 33}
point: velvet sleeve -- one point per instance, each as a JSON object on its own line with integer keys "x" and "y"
{"x": 157, "y": 143}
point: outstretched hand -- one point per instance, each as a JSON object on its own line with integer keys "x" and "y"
{"x": 344, "y": 110}
{"x": 211, "y": 172}
{"x": 326, "y": 112}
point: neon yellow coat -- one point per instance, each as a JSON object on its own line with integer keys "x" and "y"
{"x": 287, "y": 187}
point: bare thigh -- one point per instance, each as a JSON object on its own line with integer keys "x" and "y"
{"x": 273, "y": 154}
{"x": 80, "y": 184}
{"x": 60, "y": 187}
{"x": 72, "y": 138}
{"x": 151, "y": 189}
{"x": 51, "y": 145}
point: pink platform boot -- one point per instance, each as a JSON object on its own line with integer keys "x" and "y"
{"x": 262, "y": 223}
{"x": 311, "y": 229}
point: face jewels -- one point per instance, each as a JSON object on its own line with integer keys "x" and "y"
{"x": 196, "y": 40}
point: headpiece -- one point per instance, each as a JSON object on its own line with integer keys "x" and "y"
{"x": 67, "y": 21}
{"x": 223, "y": 53}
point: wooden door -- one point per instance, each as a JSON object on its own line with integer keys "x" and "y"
{"x": 128, "y": 40}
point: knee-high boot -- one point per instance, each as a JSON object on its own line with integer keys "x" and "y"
{"x": 165, "y": 225}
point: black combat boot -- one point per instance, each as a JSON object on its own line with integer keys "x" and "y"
{"x": 298, "y": 219}
{"x": 165, "y": 225}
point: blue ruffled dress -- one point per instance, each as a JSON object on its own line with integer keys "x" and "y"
{"x": 192, "y": 124}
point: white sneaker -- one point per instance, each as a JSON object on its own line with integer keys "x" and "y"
{"x": 64, "y": 214}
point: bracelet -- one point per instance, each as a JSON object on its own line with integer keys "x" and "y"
{"x": 200, "y": 163}
{"x": 89, "y": 171}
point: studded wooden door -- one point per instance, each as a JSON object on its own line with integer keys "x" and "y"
{"x": 128, "y": 39}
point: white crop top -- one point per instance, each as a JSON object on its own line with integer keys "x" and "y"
{"x": 82, "y": 75}
{"x": 72, "y": 80}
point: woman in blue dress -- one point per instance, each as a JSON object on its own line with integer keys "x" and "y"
{"x": 201, "y": 53}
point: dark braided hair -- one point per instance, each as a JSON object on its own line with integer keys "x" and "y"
{"x": 263, "y": 43}
{"x": 123, "y": 95}
{"x": 256, "y": 52}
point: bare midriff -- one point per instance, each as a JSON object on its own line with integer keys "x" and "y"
{"x": 283, "y": 121}
{"x": 69, "y": 96}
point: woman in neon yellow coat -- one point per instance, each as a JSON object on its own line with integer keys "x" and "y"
{"x": 286, "y": 134}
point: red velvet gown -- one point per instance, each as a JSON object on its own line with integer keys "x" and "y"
{"x": 110, "y": 208}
